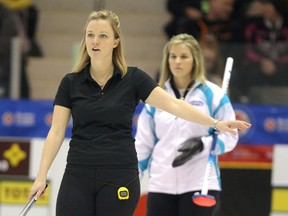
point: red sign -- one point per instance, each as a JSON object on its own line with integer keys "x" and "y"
{"x": 248, "y": 156}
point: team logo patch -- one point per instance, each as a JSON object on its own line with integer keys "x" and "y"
{"x": 196, "y": 103}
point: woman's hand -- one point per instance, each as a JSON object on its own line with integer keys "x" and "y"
{"x": 230, "y": 126}
{"x": 38, "y": 189}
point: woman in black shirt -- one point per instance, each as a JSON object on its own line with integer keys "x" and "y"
{"x": 101, "y": 175}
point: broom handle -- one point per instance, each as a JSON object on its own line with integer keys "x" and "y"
{"x": 225, "y": 85}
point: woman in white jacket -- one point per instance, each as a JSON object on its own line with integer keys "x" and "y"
{"x": 160, "y": 134}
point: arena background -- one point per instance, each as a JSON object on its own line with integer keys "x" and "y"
{"x": 254, "y": 175}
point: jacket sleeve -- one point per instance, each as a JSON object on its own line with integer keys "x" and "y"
{"x": 145, "y": 137}
{"x": 226, "y": 141}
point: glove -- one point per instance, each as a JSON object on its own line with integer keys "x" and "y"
{"x": 189, "y": 148}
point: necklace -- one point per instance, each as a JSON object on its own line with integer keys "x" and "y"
{"x": 103, "y": 81}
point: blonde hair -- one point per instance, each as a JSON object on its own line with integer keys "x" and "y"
{"x": 198, "y": 70}
{"x": 118, "y": 53}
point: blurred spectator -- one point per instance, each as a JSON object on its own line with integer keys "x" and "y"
{"x": 254, "y": 9}
{"x": 8, "y": 30}
{"x": 239, "y": 9}
{"x": 27, "y": 13}
{"x": 216, "y": 18}
{"x": 265, "y": 58}
{"x": 219, "y": 21}
{"x": 199, "y": 18}
{"x": 186, "y": 14}
{"x": 214, "y": 62}
{"x": 19, "y": 8}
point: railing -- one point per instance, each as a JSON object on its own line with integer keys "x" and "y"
{"x": 15, "y": 75}
{"x": 10, "y": 69}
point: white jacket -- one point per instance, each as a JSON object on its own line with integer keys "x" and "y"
{"x": 159, "y": 135}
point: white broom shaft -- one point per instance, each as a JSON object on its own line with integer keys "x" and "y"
{"x": 227, "y": 73}
{"x": 206, "y": 179}
{"x": 225, "y": 85}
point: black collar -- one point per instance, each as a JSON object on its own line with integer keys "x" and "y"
{"x": 87, "y": 75}
{"x": 176, "y": 92}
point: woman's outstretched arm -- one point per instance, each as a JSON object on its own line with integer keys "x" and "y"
{"x": 162, "y": 100}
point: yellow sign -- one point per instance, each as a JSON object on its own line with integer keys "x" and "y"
{"x": 17, "y": 4}
{"x": 279, "y": 200}
{"x": 14, "y": 154}
{"x": 17, "y": 192}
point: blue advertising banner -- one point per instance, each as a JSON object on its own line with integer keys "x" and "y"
{"x": 28, "y": 118}
{"x": 269, "y": 124}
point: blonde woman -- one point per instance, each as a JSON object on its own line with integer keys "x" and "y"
{"x": 101, "y": 175}
{"x": 176, "y": 171}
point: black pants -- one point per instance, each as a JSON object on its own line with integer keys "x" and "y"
{"x": 159, "y": 204}
{"x": 94, "y": 192}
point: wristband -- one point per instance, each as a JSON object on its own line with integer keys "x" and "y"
{"x": 215, "y": 124}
